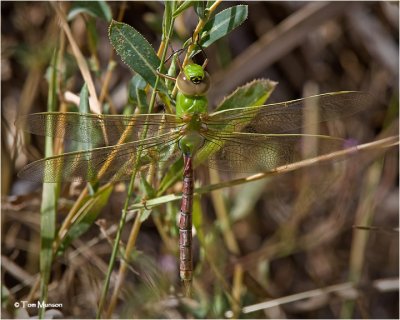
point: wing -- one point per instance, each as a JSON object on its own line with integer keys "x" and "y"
{"x": 245, "y": 152}
{"x": 108, "y": 163}
{"x": 285, "y": 117}
{"x": 98, "y": 129}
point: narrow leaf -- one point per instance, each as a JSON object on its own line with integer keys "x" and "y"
{"x": 145, "y": 214}
{"x": 94, "y": 138}
{"x": 135, "y": 51}
{"x": 84, "y": 100}
{"x": 173, "y": 174}
{"x": 50, "y": 194}
{"x": 170, "y": 7}
{"x": 198, "y": 218}
{"x": 99, "y": 9}
{"x": 147, "y": 188}
{"x": 246, "y": 199}
{"x": 223, "y": 23}
{"x": 89, "y": 211}
{"x": 200, "y": 9}
{"x": 185, "y": 5}
{"x": 137, "y": 94}
{"x": 85, "y": 108}
{"x": 172, "y": 72}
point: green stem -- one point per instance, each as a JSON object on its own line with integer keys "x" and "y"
{"x": 48, "y": 210}
{"x": 196, "y": 33}
{"x": 130, "y": 190}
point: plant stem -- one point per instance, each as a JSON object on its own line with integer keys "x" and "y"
{"x": 196, "y": 32}
{"x": 383, "y": 143}
{"x": 124, "y": 263}
{"x": 50, "y": 194}
{"x": 129, "y": 192}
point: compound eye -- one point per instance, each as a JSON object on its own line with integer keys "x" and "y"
{"x": 186, "y": 86}
{"x": 196, "y": 80}
{"x": 204, "y": 84}
{"x": 195, "y": 86}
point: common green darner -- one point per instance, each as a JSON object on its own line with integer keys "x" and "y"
{"x": 247, "y": 139}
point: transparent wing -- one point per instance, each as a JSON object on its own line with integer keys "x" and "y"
{"x": 245, "y": 152}
{"x": 99, "y": 130}
{"x": 111, "y": 163}
{"x": 285, "y": 117}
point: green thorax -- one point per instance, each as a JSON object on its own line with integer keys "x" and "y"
{"x": 191, "y": 102}
{"x": 192, "y": 140}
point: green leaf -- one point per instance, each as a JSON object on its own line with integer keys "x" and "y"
{"x": 137, "y": 94}
{"x": 171, "y": 208}
{"x": 136, "y": 83}
{"x": 147, "y": 187}
{"x": 84, "y": 100}
{"x": 99, "y": 9}
{"x": 185, "y": 5}
{"x": 88, "y": 213}
{"x": 150, "y": 193}
{"x": 173, "y": 174}
{"x": 172, "y": 72}
{"x": 145, "y": 214}
{"x": 223, "y": 23}
{"x": 50, "y": 195}
{"x": 252, "y": 94}
{"x": 200, "y": 8}
{"x": 85, "y": 108}
{"x": 135, "y": 51}
{"x": 170, "y": 7}
{"x": 246, "y": 199}
{"x": 197, "y": 216}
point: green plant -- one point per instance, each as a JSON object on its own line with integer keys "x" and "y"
{"x": 150, "y": 193}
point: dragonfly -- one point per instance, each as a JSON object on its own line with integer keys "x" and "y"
{"x": 244, "y": 139}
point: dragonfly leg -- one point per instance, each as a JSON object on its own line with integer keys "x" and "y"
{"x": 144, "y": 201}
{"x": 165, "y": 76}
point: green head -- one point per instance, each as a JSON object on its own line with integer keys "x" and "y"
{"x": 194, "y": 72}
{"x": 193, "y": 81}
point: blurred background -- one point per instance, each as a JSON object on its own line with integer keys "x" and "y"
{"x": 288, "y": 234}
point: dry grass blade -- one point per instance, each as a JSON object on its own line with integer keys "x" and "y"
{"x": 95, "y": 106}
{"x": 382, "y": 143}
{"x": 287, "y": 232}
{"x": 344, "y": 289}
